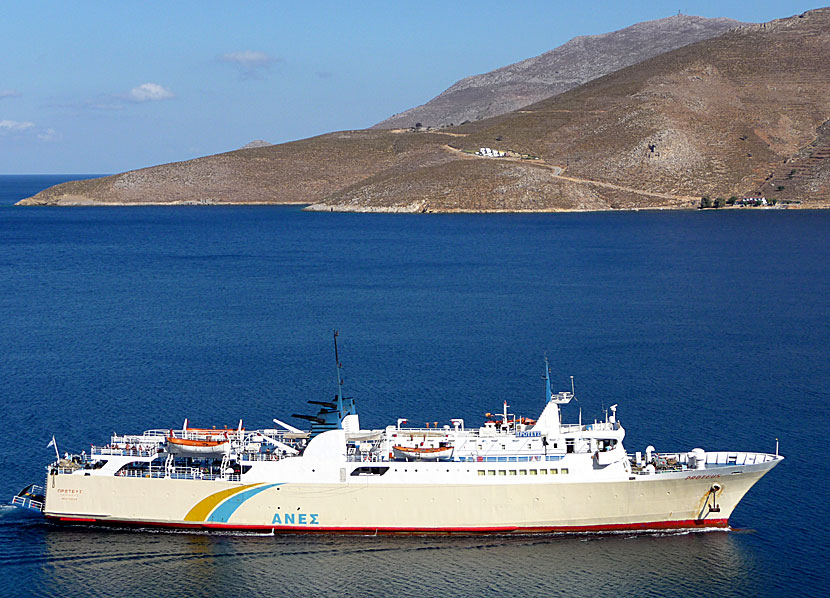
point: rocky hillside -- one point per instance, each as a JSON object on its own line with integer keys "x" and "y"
{"x": 578, "y": 61}
{"x": 742, "y": 114}
{"x": 299, "y": 172}
{"x": 745, "y": 113}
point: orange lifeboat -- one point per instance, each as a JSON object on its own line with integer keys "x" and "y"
{"x": 202, "y": 448}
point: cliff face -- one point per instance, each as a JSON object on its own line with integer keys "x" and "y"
{"x": 745, "y": 113}
{"x": 570, "y": 65}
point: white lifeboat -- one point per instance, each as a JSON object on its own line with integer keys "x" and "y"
{"x": 422, "y": 453}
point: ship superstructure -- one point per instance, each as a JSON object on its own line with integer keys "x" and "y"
{"x": 510, "y": 474}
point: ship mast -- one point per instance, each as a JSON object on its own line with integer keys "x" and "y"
{"x": 339, "y": 379}
{"x": 548, "y": 391}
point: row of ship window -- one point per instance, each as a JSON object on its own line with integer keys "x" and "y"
{"x": 563, "y": 471}
{"x": 374, "y": 470}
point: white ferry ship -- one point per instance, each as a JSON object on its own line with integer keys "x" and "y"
{"x": 509, "y": 475}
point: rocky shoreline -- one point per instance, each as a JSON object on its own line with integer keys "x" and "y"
{"x": 417, "y": 208}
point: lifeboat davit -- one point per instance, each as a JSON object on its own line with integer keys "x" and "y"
{"x": 201, "y": 448}
{"x": 419, "y": 453}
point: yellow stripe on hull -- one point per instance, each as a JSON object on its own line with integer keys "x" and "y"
{"x": 203, "y": 508}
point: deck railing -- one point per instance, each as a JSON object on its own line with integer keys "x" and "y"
{"x": 735, "y": 458}
{"x": 27, "y": 503}
{"x": 262, "y": 457}
{"x": 667, "y": 462}
{"x": 123, "y": 452}
{"x": 178, "y": 473}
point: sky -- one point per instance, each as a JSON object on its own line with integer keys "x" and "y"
{"x": 108, "y": 86}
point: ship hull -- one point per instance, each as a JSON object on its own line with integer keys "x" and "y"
{"x": 364, "y": 505}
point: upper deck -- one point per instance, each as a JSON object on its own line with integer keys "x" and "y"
{"x": 591, "y": 451}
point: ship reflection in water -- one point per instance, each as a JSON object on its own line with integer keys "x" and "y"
{"x": 85, "y": 562}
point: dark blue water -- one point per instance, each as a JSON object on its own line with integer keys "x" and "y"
{"x": 708, "y": 329}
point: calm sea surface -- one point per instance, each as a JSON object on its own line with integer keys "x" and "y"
{"x": 708, "y": 329}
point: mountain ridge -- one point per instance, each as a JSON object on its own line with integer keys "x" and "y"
{"x": 574, "y": 63}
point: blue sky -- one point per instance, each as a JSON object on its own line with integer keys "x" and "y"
{"x": 100, "y": 87}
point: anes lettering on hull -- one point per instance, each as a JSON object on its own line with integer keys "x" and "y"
{"x": 296, "y": 519}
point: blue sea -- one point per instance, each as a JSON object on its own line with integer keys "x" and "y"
{"x": 708, "y": 329}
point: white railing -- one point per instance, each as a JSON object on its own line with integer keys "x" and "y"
{"x": 123, "y": 452}
{"x": 736, "y": 458}
{"x": 151, "y": 437}
{"x": 27, "y": 503}
{"x": 66, "y": 470}
{"x": 602, "y": 426}
{"x": 262, "y": 457}
{"x": 177, "y": 473}
{"x": 667, "y": 462}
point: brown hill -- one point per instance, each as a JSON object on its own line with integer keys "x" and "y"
{"x": 299, "y": 172}
{"x": 743, "y": 113}
{"x": 578, "y": 61}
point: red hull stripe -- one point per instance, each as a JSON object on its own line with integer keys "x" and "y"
{"x": 77, "y": 519}
{"x": 306, "y": 529}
